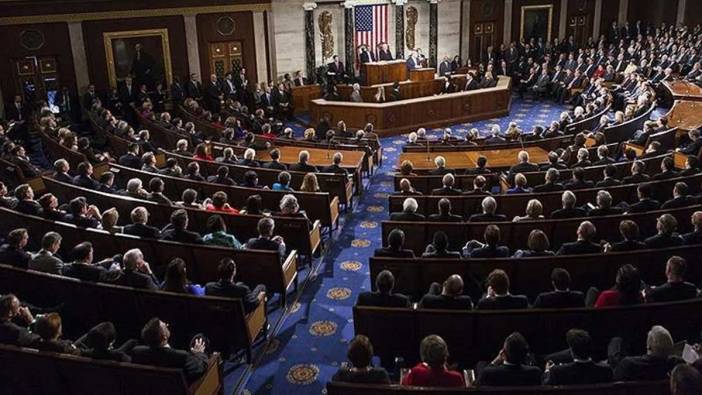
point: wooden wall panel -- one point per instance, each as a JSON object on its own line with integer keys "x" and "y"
{"x": 517, "y": 15}
{"x": 693, "y": 12}
{"x": 610, "y": 13}
{"x": 482, "y": 11}
{"x": 244, "y": 32}
{"x": 95, "y": 47}
{"x": 653, "y": 11}
{"x": 581, "y": 7}
{"x": 57, "y": 44}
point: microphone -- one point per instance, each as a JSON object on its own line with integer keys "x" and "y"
{"x": 428, "y": 155}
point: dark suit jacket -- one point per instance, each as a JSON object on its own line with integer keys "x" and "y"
{"x": 599, "y": 212}
{"x": 85, "y": 182}
{"x": 261, "y": 243}
{"x": 130, "y": 160}
{"x": 462, "y": 302}
{"x": 134, "y": 279}
{"x": 490, "y": 252}
{"x": 670, "y": 292}
{"x": 608, "y": 182}
{"x": 30, "y": 207}
{"x": 387, "y": 252}
{"x": 303, "y": 167}
{"x": 682, "y": 201}
{"x": 549, "y": 187}
{"x": 643, "y": 206}
{"x": 505, "y": 302}
{"x": 578, "y": 373}
{"x": 142, "y": 230}
{"x": 84, "y": 272}
{"x": 565, "y": 213}
{"x": 487, "y": 218}
{"x": 334, "y": 169}
{"x": 378, "y": 299}
{"x": 11, "y": 333}
{"x": 645, "y": 368}
{"x": 559, "y": 300}
{"x": 579, "y": 247}
{"x": 445, "y": 218}
{"x": 692, "y": 238}
{"x": 406, "y": 216}
{"x": 275, "y": 165}
{"x": 228, "y": 289}
{"x": 193, "y": 365}
{"x": 510, "y": 375}
{"x": 14, "y": 257}
{"x": 663, "y": 241}
{"x": 446, "y": 191}
{"x": 182, "y": 236}
{"x": 628, "y": 245}
{"x": 635, "y": 179}
{"x": 440, "y": 171}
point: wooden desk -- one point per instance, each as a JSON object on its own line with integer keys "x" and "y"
{"x": 398, "y": 117}
{"x": 685, "y": 115}
{"x": 683, "y": 90}
{"x": 497, "y": 159}
{"x": 382, "y": 72}
{"x": 302, "y": 95}
{"x": 424, "y": 74}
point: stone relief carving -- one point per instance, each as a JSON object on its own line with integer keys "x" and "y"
{"x": 325, "y": 32}
{"x": 412, "y": 15}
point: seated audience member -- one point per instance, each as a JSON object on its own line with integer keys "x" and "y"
{"x": 84, "y": 179}
{"x": 582, "y": 370}
{"x": 266, "y": 240}
{"x": 274, "y": 163}
{"x": 692, "y": 166}
{"x": 406, "y": 188}
{"x": 578, "y": 180}
{"x": 12, "y": 252}
{"x": 694, "y": 145}
{"x": 479, "y": 185}
{"x": 302, "y": 164}
{"x": 681, "y": 197}
{"x": 568, "y": 210}
{"x": 50, "y": 208}
{"x": 138, "y": 227}
{"x": 445, "y": 214}
{"x": 498, "y": 296}
{"x": 551, "y": 183}
{"x": 655, "y": 365}
{"x": 480, "y": 167}
{"x": 335, "y": 167}
{"x": 227, "y": 156}
{"x": 100, "y": 340}
{"x": 584, "y": 244}
{"x": 630, "y": 238}
{"x": 561, "y": 297}
{"x": 694, "y": 237}
{"x": 604, "y": 206}
{"x": 361, "y": 371}
{"x": 249, "y": 158}
{"x": 218, "y": 234}
{"x": 149, "y": 163}
{"x": 491, "y": 247}
{"x": 254, "y": 205}
{"x": 5, "y": 200}
{"x": 156, "y": 351}
{"x": 441, "y": 168}
{"x": 489, "y": 205}
{"x": 194, "y": 172}
{"x": 83, "y": 267}
{"x": 637, "y": 174}
{"x": 447, "y": 297}
{"x": 520, "y": 185}
{"x": 310, "y": 183}
{"x": 226, "y": 287}
{"x": 109, "y": 220}
{"x": 537, "y": 244}
{"x": 15, "y": 321}
{"x": 178, "y": 231}
{"x": 554, "y": 162}
{"x": 667, "y": 170}
{"x": 646, "y": 202}
{"x": 408, "y": 213}
{"x": 176, "y": 279}
{"x": 676, "y": 288}
{"x": 219, "y": 204}
{"x": 283, "y": 183}
{"x": 136, "y": 272}
{"x": 523, "y": 166}
{"x": 433, "y": 370}
{"x": 603, "y": 157}
{"x": 222, "y": 177}
{"x": 509, "y": 368}
{"x": 609, "y": 180}
{"x": 395, "y": 248}
{"x": 250, "y": 180}
{"x": 50, "y": 330}
{"x": 439, "y": 247}
{"x": 534, "y": 212}
{"x": 666, "y": 236}
{"x": 131, "y": 159}
{"x": 626, "y": 290}
{"x": 25, "y": 200}
{"x": 384, "y": 295}
{"x": 157, "y": 186}
{"x": 46, "y": 260}
{"x": 447, "y": 190}
{"x": 135, "y": 189}
{"x": 61, "y": 169}
{"x": 685, "y": 380}
{"x": 583, "y": 160}
{"x": 82, "y": 215}
{"x": 407, "y": 168}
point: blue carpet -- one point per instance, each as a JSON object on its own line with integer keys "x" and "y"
{"x": 311, "y": 341}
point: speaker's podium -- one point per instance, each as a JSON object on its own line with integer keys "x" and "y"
{"x": 384, "y": 72}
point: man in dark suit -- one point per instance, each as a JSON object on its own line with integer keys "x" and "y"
{"x": 610, "y": 171}
{"x": 365, "y": 56}
{"x": 551, "y": 183}
{"x": 131, "y": 159}
{"x": 383, "y": 296}
{"x": 498, "y": 296}
{"x": 15, "y": 320}
{"x": 335, "y": 69}
{"x": 46, "y": 260}
{"x": 193, "y": 88}
{"x": 637, "y": 174}
{"x": 447, "y": 297}
{"x": 445, "y": 214}
{"x": 578, "y": 180}
{"x": 228, "y": 87}
{"x": 384, "y": 52}
{"x": 445, "y": 68}
{"x": 178, "y": 231}
{"x": 12, "y": 252}
{"x": 676, "y": 288}
{"x": 85, "y": 179}
{"x": 666, "y": 236}
{"x": 667, "y": 170}
{"x": 447, "y": 190}
{"x": 302, "y": 164}
{"x": 694, "y": 237}
{"x": 83, "y": 268}
{"x": 654, "y": 365}
{"x": 213, "y": 95}
{"x": 523, "y": 166}
{"x": 645, "y": 203}
{"x": 88, "y": 98}
{"x": 490, "y": 248}
{"x": 604, "y": 205}
{"x": 584, "y": 245}
{"x": 441, "y": 168}
{"x": 127, "y": 92}
{"x": 479, "y": 184}
{"x": 335, "y": 167}
{"x": 266, "y": 240}
{"x": 509, "y": 368}
{"x": 561, "y": 297}
{"x": 395, "y": 248}
{"x": 227, "y": 288}
{"x": 177, "y": 91}
{"x": 471, "y": 83}
{"x": 274, "y": 163}
{"x": 582, "y": 370}
{"x": 630, "y": 235}
{"x": 158, "y": 352}
{"x": 489, "y": 205}
{"x": 139, "y": 227}
{"x": 136, "y": 272}
{"x": 681, "y": 197}
{"x": 408, "y": 213}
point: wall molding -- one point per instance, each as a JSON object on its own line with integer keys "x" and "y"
{"x": 128, "y": 14}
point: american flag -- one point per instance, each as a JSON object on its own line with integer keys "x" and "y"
{"x": 371, "y": 25}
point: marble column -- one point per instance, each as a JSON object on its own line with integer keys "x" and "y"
{"x": 563, "y": 20}
{"x": 80, "y": 60}
{"x": 310, "y": 60}
{"x": 433, "y": 31}
{"x": 507, "y": 31}
{"x": 623, "y": 10}
{"x": 400, "y": 29}
{"x": 597, "y": 21}
{"x": 192, "y": 46}
{"x": 681, "y": 11}
{"x": 260, "y": 46}
{"x": 349, "y": 48}
{"x": 466, "y": 31}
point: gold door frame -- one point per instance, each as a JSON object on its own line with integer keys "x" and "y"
{"x": 165, "y": 45}
{"x": 548, "y": 7}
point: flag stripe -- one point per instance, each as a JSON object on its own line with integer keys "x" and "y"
{"x": 371, "y": 26}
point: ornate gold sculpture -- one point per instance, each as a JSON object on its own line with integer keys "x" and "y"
{"x": 325, "y": 32}
{"x": 411, "y": 23}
